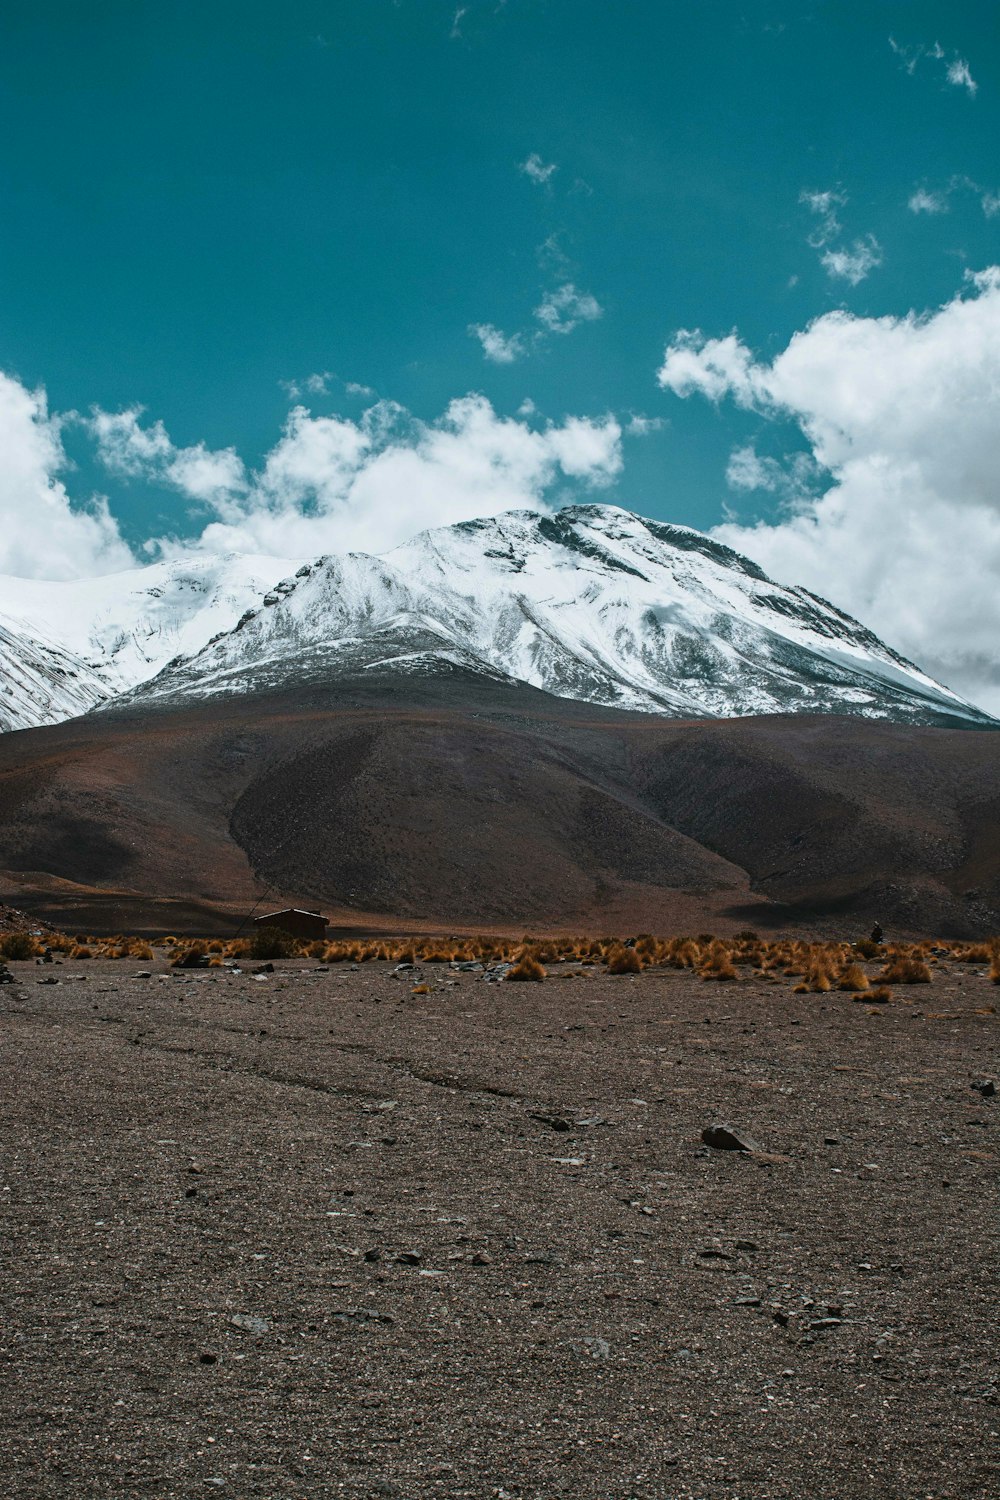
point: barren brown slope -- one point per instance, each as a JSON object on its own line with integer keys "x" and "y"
{"x": 461, "y": 802}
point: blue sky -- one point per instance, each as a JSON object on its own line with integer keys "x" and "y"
{"x": 213, "y": 214}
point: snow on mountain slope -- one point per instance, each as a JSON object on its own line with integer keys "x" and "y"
{"x": 65, "y": 646}
{"x": 40, "y": 681}
{"x": 592, "y": 603}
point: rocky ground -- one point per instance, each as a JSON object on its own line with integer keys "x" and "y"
{"x": 308, "y": 1234}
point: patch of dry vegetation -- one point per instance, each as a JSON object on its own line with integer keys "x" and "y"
{"x": 527, "y": 968}
{"x": 905, "y": 969}
{"x": 807, "y": 968}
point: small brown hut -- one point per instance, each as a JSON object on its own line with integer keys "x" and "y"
{"x": 308, "y": 925}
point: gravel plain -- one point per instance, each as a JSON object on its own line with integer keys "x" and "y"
{"x": 307, "y": 1234}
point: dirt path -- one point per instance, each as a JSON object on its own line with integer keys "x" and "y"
{"x": 308, "y": 1235}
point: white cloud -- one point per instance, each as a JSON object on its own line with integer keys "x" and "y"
{"x": 538, "y": 170}
{"x": 746, "y": 470}
{"x": 42, "y": 534}
{"x": 908, "y": 56}
{"x": 565, "y": 308}
{"x": 793, "y": 478}
{"x": 904, "y": 415}
{"x": 855, "y": 264}
{"x": 639, "y": 425}
{"x": 128, "y": 449}
{"x": 956, "y": 70}
{"x": 332, "y": 484}
{"x": 924, "y": 202}
{"x": 958, "y": 74}
{"x": 938, "y": 200}
{"x": 498, "y": 348}
{"x": 711, "y": 367}
{"x": 824, "y": 205}
{"x": 852, "y": 263}
{"x": 353, "y": 388}
{"x": 314, "y": 385}
{"x": 202, "y": 474}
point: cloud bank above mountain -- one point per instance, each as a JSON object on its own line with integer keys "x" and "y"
{"x": 41, "y": 533}
{"x": 902, "y": 421}
{"x": 889, "y": 506}
{"x": 330, "y": 483}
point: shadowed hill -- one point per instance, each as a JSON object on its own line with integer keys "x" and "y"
{"x": 456, "y": 801}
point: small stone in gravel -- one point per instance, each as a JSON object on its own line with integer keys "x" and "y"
{"x": 986, "y": 1087}
{"x": 831, "y": 1140}
{"x": 143, "y": 974}
{"x": 49, "y": 979}
{"x": 409, "y": 1258}
{"x": 373, "y": 1255}
{"x": 728, "y": 1138}
{"x": 746, "y": 1302}
{"x": 554, "y": 1122}
{"x": 208, "y": 1359}
{"x": 596, "y": 1347}
{"x": 482, "y": 1259}
{"x": 249, "y": 1323}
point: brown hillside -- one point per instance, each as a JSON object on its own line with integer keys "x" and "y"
{"x": 464, "y": 804}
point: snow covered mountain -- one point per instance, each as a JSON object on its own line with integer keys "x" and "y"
{"x": 65, "y": 647}
{"x": 592, "y": 603}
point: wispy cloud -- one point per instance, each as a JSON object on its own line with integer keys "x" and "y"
{"x": 923, "y": 202}
{"x": 538, "y": 170}
{"x": 850, "y": 263}
{"x": 456, "y": 21}
{"x": 498, "y": 347}
{"x": 959, "y": 75}
{"x": 855, "y": 264}
{"x": 956, "y": 69}
{"x": 824, "y": 205}
{"x": 564, "y": 309}
{"x": 639, "y": 425}
{"x": 313, "y": 385}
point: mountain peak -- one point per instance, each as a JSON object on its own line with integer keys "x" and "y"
{"x": 591, "y": 602}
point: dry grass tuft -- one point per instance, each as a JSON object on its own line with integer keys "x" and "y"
{"x": 903, "y": 970}
{"x": 852, "y": 978}
{"x": 975, "y": 953}
{"x": 18, "y": 945}
{"x": 527, "y": 968}
{"x": 622, "y": 960}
